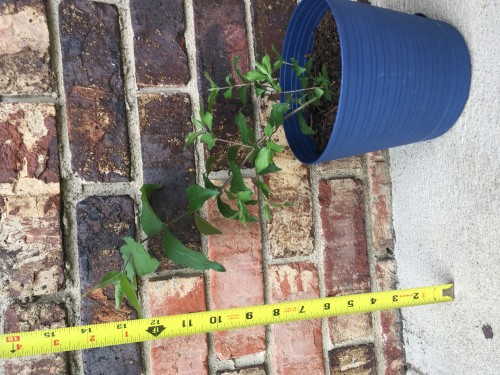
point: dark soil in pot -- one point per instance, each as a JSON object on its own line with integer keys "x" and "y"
{"x": 326, "y": 51}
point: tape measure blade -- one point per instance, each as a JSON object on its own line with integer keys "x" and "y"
{"x": 140, "y": 330}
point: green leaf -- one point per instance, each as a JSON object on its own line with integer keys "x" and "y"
{"x": 288, "y": 204}
{"x": 184, "y": 256}
{"x": 150, "y": 223}
{"x": 246, "y": 132}
{"x": 212, "y": 97}
{"x": 264, "y": 188}
{"x": 112, "y": 277}
{"x": 242, "y": 94}
{"x": 277, "y": 114}
{"x": 237, "y": 69}
{"x": 264, "y": 159}
{"x": 232, "y": 154}
{"x": 206, "y": 119}
{"x": 226, "y": 209}
{"x": 228, "y": 80}
{"x": 191, "y": 137}
{"x": 268, "y": 130}
{"x": 228, "y": 93}
{"x": 139, "y": 260}
{"x": 304, "y": 128}
{"x": 245, "y": 196}
{"x": 213, "y": 85}
{"x": 266, "y": 62}
{"x": 237, "y": 183}
{"x": 279, "y": 59}
{"x": 266, "y": 213}
{"x": 299, "y": 70}
{"x": 118, "y": 294}
{"x": 260, "y": 91}
{"x": 318, "y": 93}
{"x": 208, "y": 139}
{"x": 244, "y": 214}
{"x": 275, "y": 147}
{"x": 204, "y": 226}
{"x": 129, "y": 293}
{"x": 272, "y": 168}
{"x": 197, "y": 196}
{"x": 208, "y": 164}
{"x": 254, "y": 75}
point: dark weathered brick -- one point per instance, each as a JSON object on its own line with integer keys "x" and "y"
{"x": 31, "y": 255}
{"x": 102, "y": 222}
{"x": 343, "y": 222}
{"x": 29, "y": 317}
{"x": 220, "y": 36}
{"x": 353, "y": 360}
{"x": 271, "y": 20}
{"x": 159, "y": 44}
{"x": 24, "y": 47}
{"x": 165, "y": 123}
{"x": 28, "y": 142}
{"x": 90, "y": 39}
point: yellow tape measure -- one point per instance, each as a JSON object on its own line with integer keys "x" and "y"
{"x": 139, "y": 330}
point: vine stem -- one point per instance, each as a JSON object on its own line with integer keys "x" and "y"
{"x": 298, "y": 109}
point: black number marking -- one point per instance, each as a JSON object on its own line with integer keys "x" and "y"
{"x": 155, "y": 321}
{"x": 326, "y": 306}
{"x": 415, "y": 295}
{"x": 276, "y": 312}
{"x": 395, "y": 298}
{"x": 249, "y": 315}
{"x": 187, "y": 323}
{"x": 302, "y": 311}
{"x": 374, "y": 300}
{"x": 350, "y": 303}
{"x": 121, "y": 326}
{"x": 215, "y": 319}
{"x": 48, "y": 334}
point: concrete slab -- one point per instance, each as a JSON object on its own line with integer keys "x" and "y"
{"x": 446, "y": 202}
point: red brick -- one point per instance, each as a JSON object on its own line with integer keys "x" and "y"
{"x": 345, "y": 254}
{"x": 102, "y": 222}
{"x": 220, "y": 36}
{"x": 379, "y": 183}
{"x": 239, "y": 249}
{"x": 35, "y": 316}
{"x": 392, "y": 340}
{"x": 24, "y": 47}
{"x": 28, "y": 142}
{"x": 90, "y": 41}
{"x": 298, "y": 345}
{"x": 179, "y": 355}
{"x": 31, "y": 254}
{"x": 159, "y": 44}
{"x": 353, "y": 360}
{"x": 165, "y": 122}
{"x": 271, "y": 21}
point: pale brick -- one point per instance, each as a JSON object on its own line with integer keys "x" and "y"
{"x": 379, "y": 183}
{"x": 349, "y": 327}
{"x": 298, "y": 345}
{"x": 24, "y": 47}
{"x": 239, "y": 249}
{"x": 345, "y": 166}
{"x": 31, "y": 254}
{"x": 246, "y": 371}
{"x": 180, "y": 355}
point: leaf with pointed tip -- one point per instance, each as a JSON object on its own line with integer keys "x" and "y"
{"x": 304, "y": 128}
{"x": 197, "y": 196}
{"x": 204, "y": 226}
{"x": 242, "y": 95}
{"x": 272, "y": 168}
{"x": 246, "y": 132}
{"x": 118, "y": 295}
{"x": 266, "y": 213}
{"x": 129, "y": 293}
{"x": 237, "y": 69}
{"x": 226, "y": 209}
{"x": 278, "y": 111}
{"x": 150, "y": 222}
{"x": 112, "y": 277}
{"x": 208, "y": 139}
{"x": 275, "y": 147}
{"x": 180, "y": 254}
{"x": 255, "y": 75}
{"x": 228, "y": 93}
{"x": 191, "y": 137}
{"x": 137, "y": 259}
{"x": 264, "y": 159}
{"x": 264, "y": 188}
{"x": 237, "y": 183}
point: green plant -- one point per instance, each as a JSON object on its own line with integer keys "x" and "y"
{"x": 257, "y": 153}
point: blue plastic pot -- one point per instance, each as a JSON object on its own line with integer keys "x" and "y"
{"x": 405, "y": 78}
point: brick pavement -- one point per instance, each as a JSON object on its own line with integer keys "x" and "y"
{"x": 96, "y": 99}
